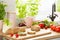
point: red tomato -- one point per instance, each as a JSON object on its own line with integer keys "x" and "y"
{"x": 17, "y": 35}
{"x": 7, "y": 39}
{"x": 53, "y": 27}
{"x": 42, "y": 25}
{"x": 11, "y": 35}
{"x": 46, "y": 27}
{"x": 57, "y": 29}
{"x": 58, "y": 26}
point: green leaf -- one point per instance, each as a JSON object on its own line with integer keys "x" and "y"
{"x": 7, "y": 22}
{"x": 2, "y": 10}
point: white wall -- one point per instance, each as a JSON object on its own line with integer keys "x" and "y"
{"x": 45, "y": 9}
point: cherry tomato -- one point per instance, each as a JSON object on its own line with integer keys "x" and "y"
{"x": 46, "y": 27}
{"x": 42, "y": 25}
{"x": 7, "y": 39}
{"x": 53, "y": 27}
{"x": 57, "y": 29}
{"x": 17, "y": 35}
{"x": 11, "y": 35}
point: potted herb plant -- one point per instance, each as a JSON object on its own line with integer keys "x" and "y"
{"x": 2, "y": 14}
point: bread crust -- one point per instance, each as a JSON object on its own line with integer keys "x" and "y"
{"x": 35, "y": 28}
{"x": 31, "y": 32}
{"x": 15, "y": 30}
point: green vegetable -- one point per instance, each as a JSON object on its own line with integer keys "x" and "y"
{"x": 35, "y": 23}
{"x": 47, "y": 23}
{"x": 6, "y": 21}
{"x": 2, "y": 10}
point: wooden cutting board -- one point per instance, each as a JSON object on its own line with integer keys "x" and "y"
{"x": 42, "y": 32}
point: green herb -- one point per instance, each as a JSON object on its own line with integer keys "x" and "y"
{"x": 35, "y": 23}
{"x": 6, "y": 21}
{"x": 2, "y": 10}
{"x": 47, "y": 23}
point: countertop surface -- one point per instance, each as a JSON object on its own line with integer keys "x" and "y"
{"x": 53, "y": 35}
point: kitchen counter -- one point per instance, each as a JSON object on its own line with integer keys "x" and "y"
{"x": 53, "y": 35}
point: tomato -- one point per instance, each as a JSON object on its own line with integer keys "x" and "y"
{"x": 11, "y": 35}
{"x": 17, "y": 35}
{"x": 46, "y": 27}
{"x": 53, "y": 27}
{"x": 42, "y": 25}
{"x": 57, "y": 29}
{"x": 7, "y": 39}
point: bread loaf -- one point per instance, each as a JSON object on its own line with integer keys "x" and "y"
{"x": 35, "y": 28}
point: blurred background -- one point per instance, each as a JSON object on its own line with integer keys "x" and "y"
{"x": 44, "y": 9}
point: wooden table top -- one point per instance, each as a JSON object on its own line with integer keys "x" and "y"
{"x": 44, "y": 37}
{"x": 53, "y": 35}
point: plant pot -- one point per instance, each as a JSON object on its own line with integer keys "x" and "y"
{"x": 1, "y": 25}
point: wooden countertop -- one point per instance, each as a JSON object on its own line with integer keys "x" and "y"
{"x": 44, "y": 37}
{"x": 53, "y": 35}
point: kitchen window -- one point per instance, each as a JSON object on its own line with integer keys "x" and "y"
{"x": 27, "y": 7}
{"x": 40, "y": 8}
